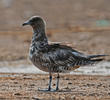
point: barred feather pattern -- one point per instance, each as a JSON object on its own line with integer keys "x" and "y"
{"x": 55, "y": 57}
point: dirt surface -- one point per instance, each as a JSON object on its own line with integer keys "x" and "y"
{"x": 72, "y": 87}
{"x": 82, "y": 24}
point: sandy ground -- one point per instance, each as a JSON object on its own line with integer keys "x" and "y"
{"x": 72, "y": 87}
{"x": 84, "y": 25}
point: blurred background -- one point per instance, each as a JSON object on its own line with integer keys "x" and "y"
{"x": 58, "y": 14}
{"x": 82, "y": 24}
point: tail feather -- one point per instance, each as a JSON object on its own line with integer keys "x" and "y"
{"x": 97, "y": 60}
{"x": 93, "y": 59}
{"x": 90, "y": 60}
{"x": 95, "y": 56}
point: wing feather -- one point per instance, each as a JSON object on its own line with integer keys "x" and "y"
{"x": 60, "y": 55}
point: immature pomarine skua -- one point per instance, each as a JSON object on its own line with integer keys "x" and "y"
{"x": 54, "y": 58}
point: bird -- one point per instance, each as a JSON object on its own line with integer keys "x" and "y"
{"x": 55, "y": 57}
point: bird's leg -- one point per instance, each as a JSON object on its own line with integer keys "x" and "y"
{"x": 57, "y": 84}
{"x": 49, "y": 86}
{"x": 50, "y": 81}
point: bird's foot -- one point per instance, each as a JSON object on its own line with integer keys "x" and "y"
{"x": 57, "y": 89}
{"x": 48, "y": 90}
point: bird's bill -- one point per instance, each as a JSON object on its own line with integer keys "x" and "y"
{"x": 26, "y": 23}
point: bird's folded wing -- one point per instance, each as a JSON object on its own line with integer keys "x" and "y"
{"x": 64, "y": 56}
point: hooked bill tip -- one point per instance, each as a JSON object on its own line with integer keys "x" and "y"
{"x": 23, "y": 24}
{"x": 26, "y": 23}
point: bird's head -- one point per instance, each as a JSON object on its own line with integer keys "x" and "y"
{"x": 35, "y": 21}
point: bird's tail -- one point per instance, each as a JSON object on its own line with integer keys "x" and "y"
{"x": 89, "y": 60}
{"x": 96, "y": 58}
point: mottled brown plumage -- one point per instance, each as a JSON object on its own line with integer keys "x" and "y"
{"x": 54, "y": 58}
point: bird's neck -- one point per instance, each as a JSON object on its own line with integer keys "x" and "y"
{"x": 39, "y": 39}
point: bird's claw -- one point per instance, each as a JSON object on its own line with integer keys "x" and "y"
{"x": 48, "y": 90}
